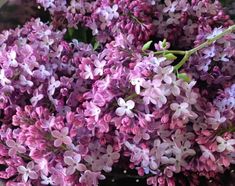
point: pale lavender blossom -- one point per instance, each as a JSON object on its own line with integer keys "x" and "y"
{"x": 125, "y": 107}
{"x": 225, "y": 144}
{"x": 47, "y": 180}
{"x": 137, "y": 82}
{"x": 206, "y": 153}
{"x": 170, "y": 6}
{"x": 110, "y": 156}
{"x": 96, "y": 163}
{"x": 25, "y": 82}
{"x": 3, "y": 79}
{"x": 164, "y": 74}
{"x": 215, "y": 33}
{"x": 216, "y": 119}
{"x": 12, "y": 59}
{"x": 88, "y": 73}
{"x": 41, "y": 73}
{"x": 99, "y": 70}
{"x": 15, "y": 147}
{"x": 181, "y": 109}
{"x": 27, "y": 172}
{"x": 35, "y": 99}
{"x": 74, "y": 164}
{"x": 61, "y": 137}
{"x": 92, "y": 110}
{"x": 52, "y": 86}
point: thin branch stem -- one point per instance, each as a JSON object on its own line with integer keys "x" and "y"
{"x": 203, "y": 45}
{"x": 188, "y": 53}
{"x": 183, "y": 61}
{"x": 180, "y": 52}
{"x": 210, "y": 41}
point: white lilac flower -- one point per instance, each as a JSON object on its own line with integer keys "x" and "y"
{"x": 96, "y": 163}
{"x": 137, "y": 82}
{"x": 47, "y": 180}
{"x": 180, "y": 109}
{"x": 92, "y": 110}
{"x": 170, "y": 6}
{"x": 52, "y": 86}
{"x": 225, "y": 144}
{"x": 165, "y": 74}
{"x": 88, "y": 74}
{"x": 215, "y": 33}
{"x": 27, "y": 68}
{"x": 154, "y": 92}
{"x": 3, "y": 79}
{"x": 173, "y": 88}
{"x": 25, "y": 82}
{"x": 41, "y": 72}
{"x": 61, "y": 137}
{"x": 99, "y": 67}
{"x": 110, "y": 156}
{"x": 155, "y": 62}
{"x": 206, "y": 153}
{"x": 15, "y": 147}
{"x": 216, "y": 120}
{"x": 74, "y": 164}
{"x": 191, "y": 98}
{"x": 27, "y": 172}
{"x": 125, "y": 107}
{"x": 12, "y": 59}
{"x": 35, "y": 99}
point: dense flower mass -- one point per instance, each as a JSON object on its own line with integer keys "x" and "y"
{"x": 70, "y": 113}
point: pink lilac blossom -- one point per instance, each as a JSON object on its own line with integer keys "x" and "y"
{"x": 69, "y": 113}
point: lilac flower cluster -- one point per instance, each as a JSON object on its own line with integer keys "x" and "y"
{"x": 70, "y": 114}
{"x": 178, "y": 21}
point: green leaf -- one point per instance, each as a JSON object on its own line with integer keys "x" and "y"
{"x": 96, "y": 45}
{"x": 70, "y": 33}
{"x": 170, "y": 56}
{"x": 184, "y": 77}
{"x": 82, "y": 34}
{"x": 147, "y": 45}
{"x": 164, "y": 43}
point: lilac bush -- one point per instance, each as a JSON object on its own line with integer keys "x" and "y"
{"x": 158, "y": 91}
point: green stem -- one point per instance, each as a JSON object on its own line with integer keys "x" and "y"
{"x": 180, "y": 52}
{"x": 229, "y": 129}
{"x": 203, "y": 45}
{"x": 135, "y": 18}
{"x": 210, "y": 41}
{"x": 131, "y": 96}
{"x": 188, "y": 53}
{"x": 183, "y": 61}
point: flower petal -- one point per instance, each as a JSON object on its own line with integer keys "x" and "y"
{"x": 130, "y": 104}
{"x": 69, "y": 160}
{"x": 21, "y": 169}
{"x": 120, "y": 111}
{"x": 121, "y": 102}
{"x": 70, "y": 170}
{"x": 221, "y": 148}
{"x": 57, "y": 142}
{"x": 33, "y": 175}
